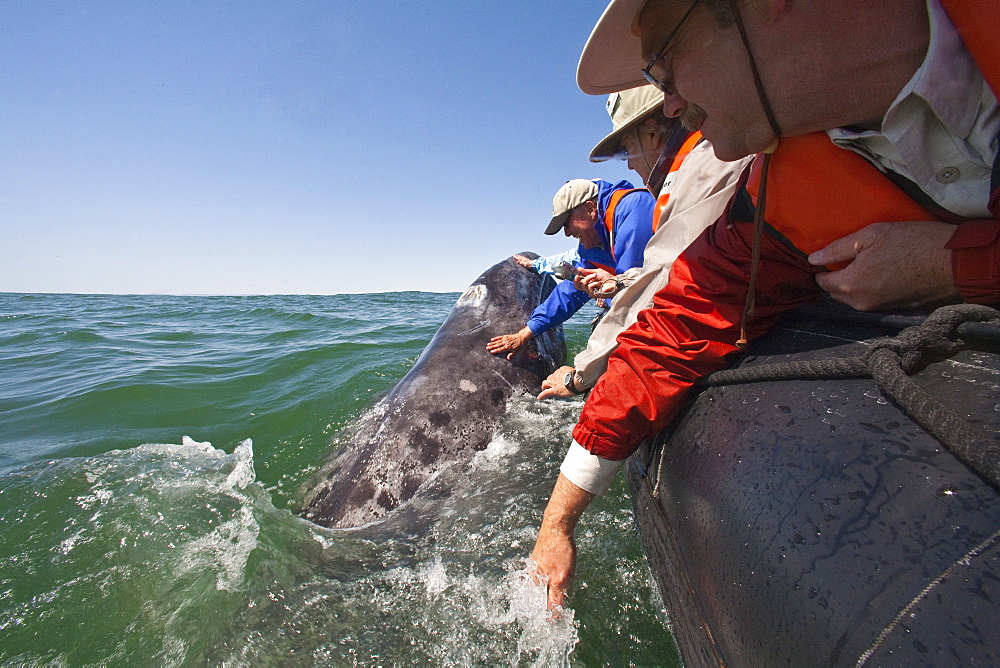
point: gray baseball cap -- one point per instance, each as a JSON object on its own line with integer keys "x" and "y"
{"x": 627, "y": 109}
{"x": 571, "y": 195}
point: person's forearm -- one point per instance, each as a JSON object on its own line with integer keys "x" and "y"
{"x": 565, "y": 507}
{"x": 555, "y": 551}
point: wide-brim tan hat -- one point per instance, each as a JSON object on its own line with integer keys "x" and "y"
{"x": 612, "y": 59}
{"x": 627, "y": 109}
{"x": 571, "y": 195}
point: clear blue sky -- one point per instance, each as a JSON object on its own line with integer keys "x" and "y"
{"x": 242, "y": 147}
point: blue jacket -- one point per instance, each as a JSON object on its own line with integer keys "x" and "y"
{"x": 633, "y": 225}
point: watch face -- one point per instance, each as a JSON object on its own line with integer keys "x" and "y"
{"x": 570, "y": 385}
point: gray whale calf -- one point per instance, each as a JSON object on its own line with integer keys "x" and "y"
{"x": 446, "y": 407}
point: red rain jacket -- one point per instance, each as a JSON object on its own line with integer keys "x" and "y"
{"x": 695, "y": 320}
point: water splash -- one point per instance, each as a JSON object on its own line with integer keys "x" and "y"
{"x": 228, "y": 546}
{"x": 181, "y": 549}
{"x": 181, "y": 552}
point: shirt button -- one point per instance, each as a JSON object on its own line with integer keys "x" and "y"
{"x": 948, "y": 175}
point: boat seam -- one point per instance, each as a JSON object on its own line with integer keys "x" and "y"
{"x": 964, "y": 560}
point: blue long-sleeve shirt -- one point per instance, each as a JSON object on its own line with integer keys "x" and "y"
{"x": 633, "y": 226}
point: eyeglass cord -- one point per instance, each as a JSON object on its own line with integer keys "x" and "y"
{"x": 758, "y": 218}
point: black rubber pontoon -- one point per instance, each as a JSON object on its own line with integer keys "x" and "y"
{"x": 811, "y": 522}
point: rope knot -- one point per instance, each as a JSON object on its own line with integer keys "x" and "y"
{"x": 936, "y": 336}
{"x": 890, "y": 361}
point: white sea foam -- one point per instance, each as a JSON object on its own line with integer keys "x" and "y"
{"x": 228, "y": 546}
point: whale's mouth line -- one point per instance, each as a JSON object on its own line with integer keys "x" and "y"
{"x": 482, "y": 324}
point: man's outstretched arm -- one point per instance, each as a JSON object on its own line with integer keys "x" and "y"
{"x": 582, "y": 476}
{"x": 555, "y": 549}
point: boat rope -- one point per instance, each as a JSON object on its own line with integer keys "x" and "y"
{"x": 660, "y": 471}
{"x": 965, "y": 560}
{"x": 889, "y": 361}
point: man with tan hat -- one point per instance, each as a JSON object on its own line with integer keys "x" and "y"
{"x": 694, "y": 194}
{"x": 909, "y": 88}
{"x": 613, "y": 223}
{"x": 639, "y": 130}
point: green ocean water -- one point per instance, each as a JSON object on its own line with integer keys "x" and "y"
{"x": 152, "y": 454}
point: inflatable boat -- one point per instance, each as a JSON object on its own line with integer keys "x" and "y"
{"x": 799, "y": 513}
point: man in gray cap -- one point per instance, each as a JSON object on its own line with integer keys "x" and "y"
{"x": 613, "y": 223}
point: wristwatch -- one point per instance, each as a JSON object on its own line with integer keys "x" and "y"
{"x": 570, "y": 385}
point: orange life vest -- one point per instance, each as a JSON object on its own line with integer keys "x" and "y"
{"x": 818, "y": 192}
{"x": 609, "y": 219}
{"x": 661, "y": 201}
{"x": 978, "y": 24}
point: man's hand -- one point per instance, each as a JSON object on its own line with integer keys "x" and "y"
{"x": 892, "y": 265}
{"x": 523, "y": 261}
{"x": 592, "y": 280}
{"x": 555, "y": 550}
{"x": 553, "y": 386}
{"x": 509, "y": 343}
{"x": 555, "y": 558}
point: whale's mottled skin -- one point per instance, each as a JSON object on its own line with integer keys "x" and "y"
{"x": 447, "y": 406}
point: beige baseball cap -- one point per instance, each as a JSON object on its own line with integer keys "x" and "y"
{"x": 627, "y": 109}
{"x": 612, "y": 59}
{"x": 571, "y": 195}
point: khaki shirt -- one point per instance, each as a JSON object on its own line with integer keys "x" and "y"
{"x": 935, "y": 133}
{"x": 702, "y": 189}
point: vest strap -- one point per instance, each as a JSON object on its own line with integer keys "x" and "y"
{"x": 609, "y": 215}
{"x": 661, "y": 202}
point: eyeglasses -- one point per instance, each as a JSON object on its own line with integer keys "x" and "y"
{"x": 667, "y": 88}
{"x": 623, "y": 152}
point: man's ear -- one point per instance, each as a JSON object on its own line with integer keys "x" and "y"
{"x": 649, "y": 135}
